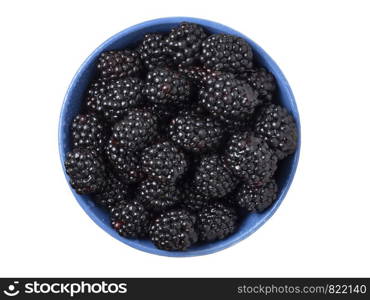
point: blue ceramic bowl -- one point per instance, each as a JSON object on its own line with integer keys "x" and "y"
{"x": 75, "y": 96}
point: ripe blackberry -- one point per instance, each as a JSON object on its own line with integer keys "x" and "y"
{"x": 158, "y": 196}
{"x": 130, "y": 220}
{"x": 231, "y": 98}
{"x": 250, "y": 158}
{"x": 255, "y": 199}
{"x": 86, "y": 170}
{"x": 212, "y": 178}
{"x": 227, "y": 53}
{"x": 88, "y": 132}
{"x": 115, "y": 191}
{"x": 126, "y": 163}
{"x": 184, "y": 43}
{"x": 163, "y": 162}
{"x": 153, "y": 51}
{"x": 121, "y": 94}
{"x": 194, "y": 132}
{"x": 174, "y": 230}
{"x": 261, "y": 81}
{"x": 164, "y": 86}
{"x": 95, "y": 93}
{"x": 115, "y": 64}
{"x": 193, "y": 200}
{"x": 276, "y": 126}
{"x": 136, "y": 130}
{"x": 216, "y": 222}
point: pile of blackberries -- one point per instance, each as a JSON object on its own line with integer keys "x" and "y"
{"x": 180, "y": 137}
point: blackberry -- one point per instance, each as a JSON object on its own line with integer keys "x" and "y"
{"x": 276, "y": 126}
{"x": 130, "y": 220}
{"x": 227, "y": 53}
{"x": 153, "y": 51}
{"x": 163, "y": 162}
{"x": 95, "y": 93}
{"x": 121, "y": 94}
{"x": 115, "y": 64}
{"x": 174, "y": 230}
{"x": 126, "y": 163}
{"x": 223, "y": 95}
{"x": 255, "y": 199}
{"x": 86, "y": 170}
{"x": 164, "y": 86}
{"x": 88, "y": 132}
{"x": 136, "y": 130}
{"x": 212, "y": 178}
{"x": 193, "y": 200}
{"x": 184, "y": 43}
{"x": 194, "y": 132}
{"x": 158, "y": 196}
{"x": 261, "y": 81}
{"x": 115, "y": 191}
{"x": 250, "y": 158}
{"x": 216, "y": 222}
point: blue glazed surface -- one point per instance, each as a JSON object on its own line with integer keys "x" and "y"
{"x": 75, "y": 96}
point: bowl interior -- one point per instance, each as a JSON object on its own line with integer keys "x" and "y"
{"x": 128, "y": 38}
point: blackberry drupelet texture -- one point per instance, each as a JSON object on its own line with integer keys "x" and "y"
{"x": 164, "y": 162}
{"x": 114, "y": 64}
{"x": 88, "y": 132}
{"x": 164, "y": 86}
{"x": 194, "y": 132}
{"x": 250, "y": 158}
{"x": 115, "y": 191}
{"x": 184, "y": 43}
{"x": 153, "y": 51}
{"x": 227, "y": 53}
{"x": 197, "y": 75}
{"x": 136, "y": 130}
{"x": 86, "y": 170}
{"x": 130, "y": 220}
{"x": 262, "y": 81}
{"x": 174, "y": 230}
{"x": 194, "y": 74}
{"x": 158, "y": 196}
{"x": 276, "y": 126}
{"x": 255, "y": 199}
{"x": 216, "y": 222}
{"x": 192, "y": 200}
{"x": 222, "y": 94}
{"x": 121, "y": 95}
{"x": 127, "y": 164}
{"x": 95, "y": 94}
{"x": 212, "y": 178}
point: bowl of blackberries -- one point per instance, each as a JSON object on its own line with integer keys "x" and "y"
{"x": 179, "y": 136}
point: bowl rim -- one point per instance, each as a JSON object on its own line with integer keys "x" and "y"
{"x": 283, "y": 84}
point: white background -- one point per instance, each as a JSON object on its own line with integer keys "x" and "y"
{"x": 322, "y": 227}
